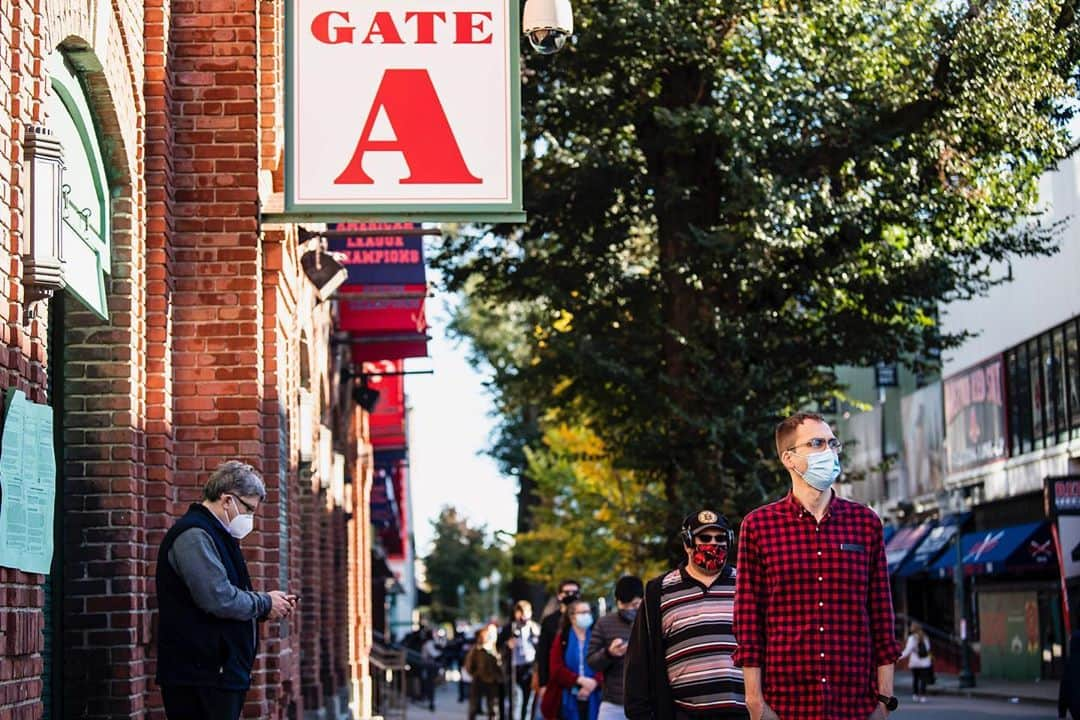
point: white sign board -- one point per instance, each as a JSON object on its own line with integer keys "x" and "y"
{"x": 401, "y": 110}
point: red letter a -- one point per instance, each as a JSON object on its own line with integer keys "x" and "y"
{"x": 421, "y": 130}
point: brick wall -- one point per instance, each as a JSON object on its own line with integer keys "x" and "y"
{"x": 199, "y": 361}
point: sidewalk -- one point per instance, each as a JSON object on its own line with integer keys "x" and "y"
{"x": 1039, "y": 692}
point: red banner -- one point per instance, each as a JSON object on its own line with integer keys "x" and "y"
{"x": 387, "y": 421}
{"x": 388, "y": 309}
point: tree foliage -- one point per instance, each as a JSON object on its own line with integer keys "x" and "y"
{"x": 727, "y": 198}
{"x": 592, "y": 521}
{"x": 461, "y": 558}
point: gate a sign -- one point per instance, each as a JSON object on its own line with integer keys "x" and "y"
{"x": 402, "y": 109}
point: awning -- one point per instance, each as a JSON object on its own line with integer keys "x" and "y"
{"x": 1012, "y": 548}
{"x": 889, "y": 531}
{"x": 904, "y": 542}
{"x": 932, "y": 545}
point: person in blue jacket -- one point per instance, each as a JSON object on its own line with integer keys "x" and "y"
{"x": 208, "y": 612}
{"x": 1069, "y": 697}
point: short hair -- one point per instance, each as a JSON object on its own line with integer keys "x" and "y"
{"x": 234, "y": 478}
{"x": 564, "y": 583}
{"x": 524, "y": 606}
{"x": 786, "y": 429}
{"x": 629, "y": 587}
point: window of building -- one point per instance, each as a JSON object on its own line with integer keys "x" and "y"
{"x": 1072, "y": 371}
{"x": 1043, "y": 394}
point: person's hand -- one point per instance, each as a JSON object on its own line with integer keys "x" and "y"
{"x": 280, "y": 604}
{"x": 880, "y": 713}
{"x": 511, "y": 643}
{"x": 587, "y": 684}
{"x": 617, "y": 647}
{"x": 583, "y": 694}
{"x": 760, "y": 710}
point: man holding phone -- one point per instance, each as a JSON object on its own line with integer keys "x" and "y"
{"x": 608, "y": 643}
{"x": 208, "y": 611}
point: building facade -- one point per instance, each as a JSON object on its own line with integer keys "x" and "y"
{"x": 168, "y": 329}
{"x": 960, "y": 463}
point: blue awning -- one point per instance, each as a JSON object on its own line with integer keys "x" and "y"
{"x": 889, "y": 531}
{"x": 903, "y": 542}
{"x": 937, "y": 540}
{"x": 1016, "y": 547}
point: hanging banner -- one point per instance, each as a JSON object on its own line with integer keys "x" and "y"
{"x": 975, "y": 416}
{"x": 387, "y": 420}
{"x": 380, "y": 260}
{"x": 399, "y": 111}
{"x": 374, "y": 311}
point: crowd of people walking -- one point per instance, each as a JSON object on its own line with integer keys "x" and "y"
{"x": 802, "y": 629}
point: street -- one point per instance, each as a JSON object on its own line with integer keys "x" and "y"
{"x": 957, "y": 708}
{"x": 937, "y": 707}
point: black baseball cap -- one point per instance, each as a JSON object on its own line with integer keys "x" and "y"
{"x": 695, "y": 522}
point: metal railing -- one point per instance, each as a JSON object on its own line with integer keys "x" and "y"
{"x": 944, "y": 646}
{"x": 389, "y": 681}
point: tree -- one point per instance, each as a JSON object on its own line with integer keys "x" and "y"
{"x": 461, "y": 556}
{"x": 591, "y": 521}
{"x": 728, "y": 198}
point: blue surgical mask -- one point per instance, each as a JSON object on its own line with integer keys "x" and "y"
{"x": 628, "y": 614}
{"x": 822, "y": 469}
{"x": 583, "y": 621}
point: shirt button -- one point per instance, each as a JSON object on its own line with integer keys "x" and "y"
{"x": 821, "y": 629}
{"x": 820, "y": 579}
{"x": 822, "y": 679}
{"x": 822, "y": 654}
{"x": 819, "y": 553}
{"x": 821, "y": 604}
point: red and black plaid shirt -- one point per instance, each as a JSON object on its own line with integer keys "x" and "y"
{"x": 813, "y": 608}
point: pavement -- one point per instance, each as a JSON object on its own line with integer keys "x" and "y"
{"x": 1045, "y": 691}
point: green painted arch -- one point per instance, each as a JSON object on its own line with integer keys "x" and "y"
{"x": 88, "y": 199}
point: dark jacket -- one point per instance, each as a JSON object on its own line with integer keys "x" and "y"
{"x": 549, "y": 628}
{"x": 647, "y": 693}
{"x": 608, "y": 628}
{"x": 196, "y": 648}
{"x": 1069, "y": 696}
{"x": 484, "y": 666}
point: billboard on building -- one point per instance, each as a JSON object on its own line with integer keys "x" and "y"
{"x": 924, "y": 440}
{"x": 401, "y": 111}
{"x": 1063, "y": 502}
{"x": 975, "y": 416}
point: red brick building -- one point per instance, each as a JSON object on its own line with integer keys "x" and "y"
{"x": 185, "y": 334}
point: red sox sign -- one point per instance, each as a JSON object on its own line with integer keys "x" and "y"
{"x": 402, "y": 108}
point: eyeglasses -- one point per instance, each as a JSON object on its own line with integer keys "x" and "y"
{"x": 820, "y": 444}
{"x": 249, "y": 508}
{"x": 709, "y": 537}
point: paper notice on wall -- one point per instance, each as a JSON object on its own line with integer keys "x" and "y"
{"x": 27, "y": 485}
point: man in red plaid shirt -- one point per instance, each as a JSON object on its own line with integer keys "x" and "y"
{"x": 813, "y": 609}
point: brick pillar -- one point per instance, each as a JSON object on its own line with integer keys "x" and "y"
{"x": 217, "y": 351}
{"x": 311, "y": 501}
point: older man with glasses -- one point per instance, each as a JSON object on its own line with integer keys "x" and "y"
{"x": 813, "y": 609}
{"x": 208, "y": 611}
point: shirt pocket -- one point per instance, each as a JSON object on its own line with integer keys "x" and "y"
{"x": 853, "y": 565}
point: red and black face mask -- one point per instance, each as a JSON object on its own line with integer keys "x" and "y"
{"x": 710, "y": 558}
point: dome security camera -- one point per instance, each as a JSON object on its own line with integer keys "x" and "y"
{"x": 548, "y": 24}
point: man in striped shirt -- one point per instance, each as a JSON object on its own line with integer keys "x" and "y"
{"x": 679, "y": 663}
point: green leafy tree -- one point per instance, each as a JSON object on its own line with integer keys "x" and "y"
{"x": 727, "y": 198}
{"x": 461, "y": 558}
{"x": 591, "y": 521}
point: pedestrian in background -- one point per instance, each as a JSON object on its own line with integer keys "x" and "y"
{"x": 1069, "y": 694}
{"x": 429, "y": 667}
{"x": 573, "y": 687}
{"x": 920, "y": 661}
{"x": 520, "y": 637}
{"x": 568, "y": 592}
{"x": 679, "y": 663}
{"x": 485, "y": 668}
{"x": 608, "y": 643}
{"x": 208, "y": 612}
{"x": 813, "y": 608}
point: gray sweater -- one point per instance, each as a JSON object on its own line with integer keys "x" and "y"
{"x": 608, "y": 628}
{"x": 196, "y": 560}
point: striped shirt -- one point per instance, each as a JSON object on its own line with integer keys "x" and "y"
{"x": 698, "y": 643}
